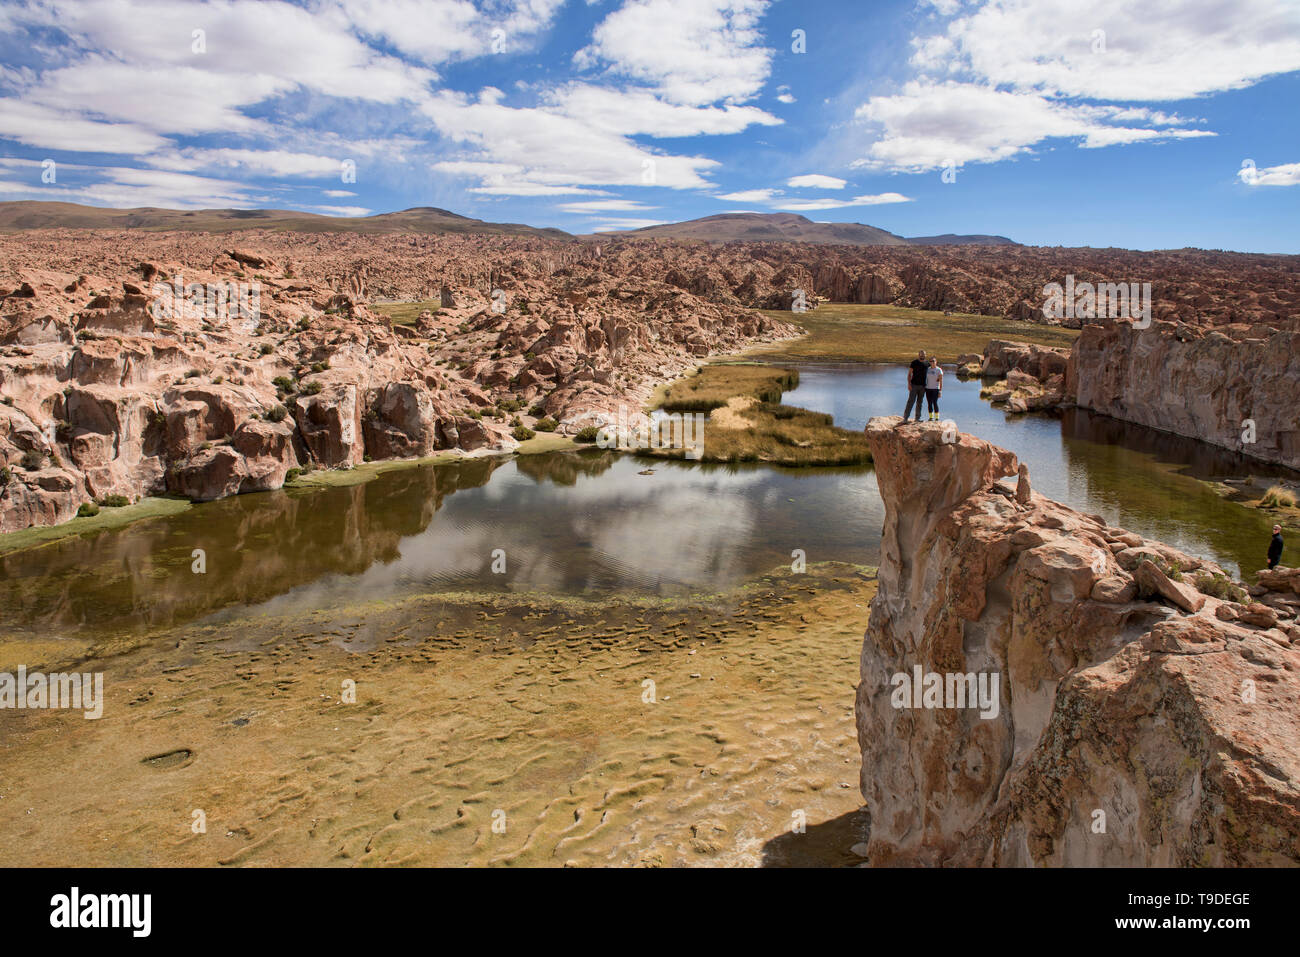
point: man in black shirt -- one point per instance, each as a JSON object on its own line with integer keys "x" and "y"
{"x": 916, "y": 385}
{"x": 1275, "y": 547}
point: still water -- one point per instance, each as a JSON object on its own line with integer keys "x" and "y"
{"x": 1147, "y": 481}
{"x": 588, "y": 523}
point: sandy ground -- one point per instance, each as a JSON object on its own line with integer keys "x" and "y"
{"x": 486, "y": 731}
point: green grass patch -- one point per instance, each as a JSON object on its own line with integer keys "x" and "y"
{"x": 778, "y": 435}
{"x": 850, "y": 332}
{"x": 1278, "y": 497}
{"x": 713, "y": 385}
{"x": 546, "y": 442}
{"x": 107, "y": 519}
{"x": 1221, "y": 587}
{"x": 405, "y": 313}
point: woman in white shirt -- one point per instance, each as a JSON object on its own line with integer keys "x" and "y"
{"x": 933, "y": 387}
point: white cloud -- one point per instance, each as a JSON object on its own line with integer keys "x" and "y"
{"x": 125, "y": 187}
{"x": 338, "y": 193}
{"x": 693, "y": 53}
{"x": 261, "y": 162}
{"x": 816, "y": 181}
{"x": 534, "y": 189}
{"x": 434, "y": 31}
{"x": 928, "y": 126}
{"x": 636, "y": 111}
{"x": 605, "y": 205}
{"x": 1147, "y": 51}
{"x": 438, "y": 31}
{"x": 165, "y": 98}
{"x": 517, "y": 147}
{"x": 342, "y": 210}
{"x": 979, "y": 96}
{"x": 615, "y": 224}
{"x": 751, "y": 196}
{"x": 783, "y": 95}
{"x": 1288, "y": 174}
{"x": 47, "y": 128}
{"x": 878, "y": 199}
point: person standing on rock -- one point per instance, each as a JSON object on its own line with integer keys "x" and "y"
{"x": 916, "y": 385}
{"x": 1275, "y": 547}
{"x": 933, "y": 387}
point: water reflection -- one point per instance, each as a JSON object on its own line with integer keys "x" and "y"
{"x": 589, "y": 523}
{"x": 576, "y": 523}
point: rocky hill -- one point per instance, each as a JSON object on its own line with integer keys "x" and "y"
{"x": 26, "y": 215}
{"x": 952, "y": 239}
{"x": 767, "y": 227}
{"x": 791, "y": 227}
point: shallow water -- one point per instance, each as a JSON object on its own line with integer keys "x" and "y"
{"x": 589, "y": 524}
{"x": 1147, "y": 481}
{"x": 575, "y": 523}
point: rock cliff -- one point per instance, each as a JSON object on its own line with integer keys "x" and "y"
{"x": 1040, "y": 688}
{"x": 1234, "y": 387}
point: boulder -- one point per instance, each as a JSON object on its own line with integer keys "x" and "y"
{"x": 209, "y": 474}
{"x": 1152, "y": 581}
{"x": 330, "y": 425}
{"x": 1279, "y": 579}
{"x": 267, "y": 448}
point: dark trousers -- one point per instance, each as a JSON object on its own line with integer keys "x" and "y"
{"x": 932, "y": 398}
{"x": 917, "y": 395}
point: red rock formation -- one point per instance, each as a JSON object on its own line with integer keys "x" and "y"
{"x": 115, "y": 385}
{"x": 1128, "y": 723}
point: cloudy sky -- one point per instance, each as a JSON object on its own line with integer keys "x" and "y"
{"x": 1139, "y": 123}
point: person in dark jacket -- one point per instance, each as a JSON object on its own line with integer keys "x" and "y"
{"x": 1275, "y": 547}
{"x": 916, "y": 385}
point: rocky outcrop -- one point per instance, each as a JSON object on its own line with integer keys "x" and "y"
{"x": 1040, "y": 688}
{"x": 144, "y": 366}
{"x": 1233, "y": 387}
{"x": 1033, "y": 375}
{"x": 1002, "y": 357}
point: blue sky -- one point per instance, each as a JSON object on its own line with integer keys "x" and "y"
{"x": 1135, "y": 123}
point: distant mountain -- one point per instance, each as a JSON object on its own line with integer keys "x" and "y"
{"x": 420, "y": 219}
{"x": 952, "y": 239}
{"x": 766, "y": 227}
{"x": 791, "y": 227}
